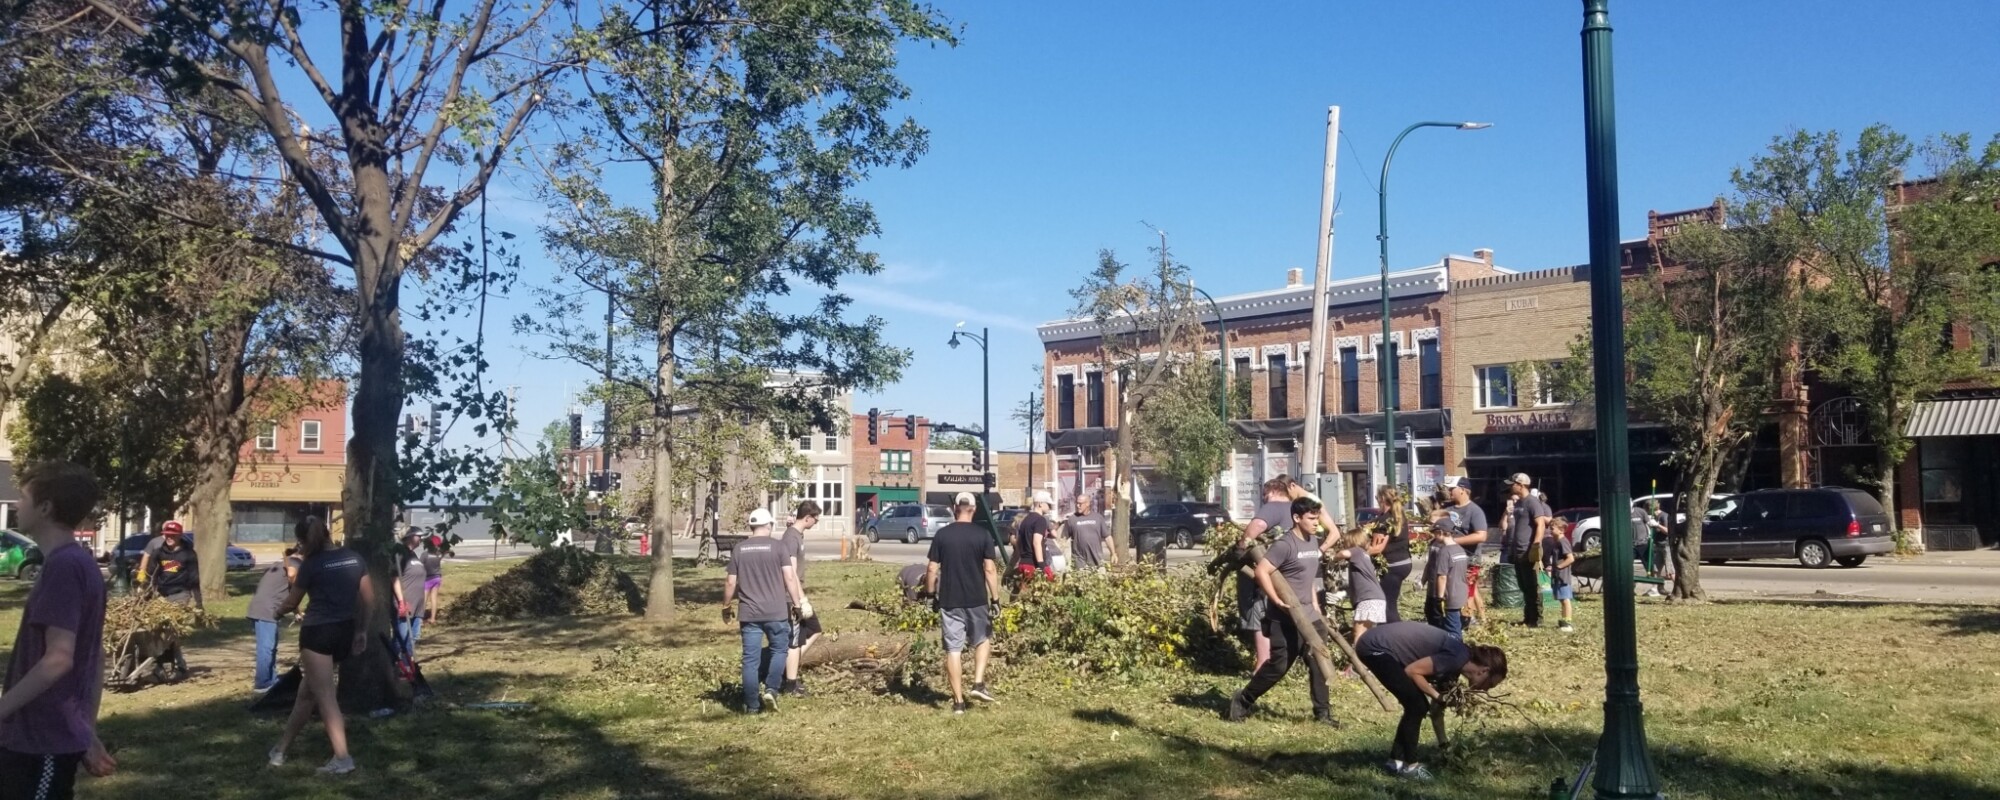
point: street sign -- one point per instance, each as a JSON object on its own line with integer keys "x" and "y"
{"x": 967, "y": 478}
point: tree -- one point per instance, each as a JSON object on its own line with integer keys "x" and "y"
{"x": 1149, "y": 328}
{"x": 1702, "y": 341}
{"x": 1892, "y": 264}
{"x": 1033, "y": 421}
{"x": 534, "y": 501}
{"x": 129, "y": 434}
{"x": 1183, "y": 432}
{"x": 955, "y": 441}
{"x": 754, "y": 123}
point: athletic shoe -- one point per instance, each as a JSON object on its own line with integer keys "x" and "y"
{"x": 978, "y": 692}
{"x": 1239, "y": 708}
{"x": 1565, "y": 627}
{"x": 1393, "y": 767}
{"x": 960, "y": 707}
{"x": 770, "y": 699}
{"x": 794, "y": 689}
{"x": 340, "y": 765}
{"x": 1414, "y": 772}
{"x": 1327, "y": 720}
{"x": 276, "y": 757}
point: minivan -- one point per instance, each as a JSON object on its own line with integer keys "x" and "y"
{"x": 912, "y": 522}
{"x": 1819, "y": 527}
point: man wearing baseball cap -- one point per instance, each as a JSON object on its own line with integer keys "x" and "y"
{"x": 1473, "y": 529}
{"x": 1527, "y": 520}
{"x": 1031, "y": 542}
{"x": 965, "y": 578}
{"x": 763, "y": 577}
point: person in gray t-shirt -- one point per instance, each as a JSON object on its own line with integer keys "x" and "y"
{"x": 805, "y": 518}
{"x": 1527, "y": 521}
{"x": 1086, "y": 531}
{"x": 1271, "y": 522}
{"x": 1294, "y": 559}
{"x": 761, "y": 575}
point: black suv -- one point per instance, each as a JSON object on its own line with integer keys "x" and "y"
{"x": 1819, "y": 527}
{"x": 1185, "y": 524}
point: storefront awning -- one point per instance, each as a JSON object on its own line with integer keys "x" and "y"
{"x": 890, "y": 494}
{"x": 1977, "y": 417}
{"x": 1082, "y": 437}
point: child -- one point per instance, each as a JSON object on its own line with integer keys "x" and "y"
{"x": 48, "y": 710}
{"x": 1557, "y": 557}
{"x": 1444, "y": 579}
{"x": 1364, "y": 584}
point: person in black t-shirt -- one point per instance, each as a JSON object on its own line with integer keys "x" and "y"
{"x": 1414, "y": 661}
{"x": 1031, "y": 543}
{"x": 173, "y": 570}
{"x": 1293, "y": 559}
{"x": 807, "y": 631}
{"x": 965, "y": 578}
{"x": 1396, "y": 552}
{"x": 335, "y": 580}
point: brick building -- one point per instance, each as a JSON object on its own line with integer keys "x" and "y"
{"x": 292, "y": 468}
{"x": 891, "y": 469}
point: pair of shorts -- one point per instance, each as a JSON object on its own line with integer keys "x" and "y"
{"x": 804, "y": 630}
{"x": 1565, "y": 592}
{"x": 966, "y": 627}
{"x": 38, "y": 776}
{"x": 1375, "y": 612}
{"x": 433, "y": 582}
{"x": 334, "y": 639}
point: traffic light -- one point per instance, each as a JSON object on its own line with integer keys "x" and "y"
{"x": 874, "y": 423}
{"x": 978, "y": 460}
{"x": 597, "y": 481}
{"x": 910, "y": 427}
{"x": 617, "y": 481}
{"x": 437, "y": 424}
{"x": 576, "y": 431}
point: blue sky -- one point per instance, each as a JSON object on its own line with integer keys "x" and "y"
{"x": 1056, "y": 127}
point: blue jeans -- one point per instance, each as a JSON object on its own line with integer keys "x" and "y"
{"x": 408, "y": 629}
{"x": 267, "y": 653}
{"x": 762, "y": 666}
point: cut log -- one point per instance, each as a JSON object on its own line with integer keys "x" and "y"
{"x": 853, "y": 649}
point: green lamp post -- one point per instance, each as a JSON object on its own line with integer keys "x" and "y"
{"x": 1624, "y": 769}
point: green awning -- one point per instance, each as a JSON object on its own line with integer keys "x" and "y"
{"x": 897, "y": 494}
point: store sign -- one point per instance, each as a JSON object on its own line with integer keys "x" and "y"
{"x": 1539, "y": 421}
{"x": 297, "y": 482}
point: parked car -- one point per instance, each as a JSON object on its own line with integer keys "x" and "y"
{"x": 1185, "y": 524}
{"x": 20, "y": 557}
{"x": 1587, "y": 534}
{"x": 1819, "y": 527}
{"x": 125, "y": 558}
{"x": 913, "y": 521}
{"x": 1574, "y": 517}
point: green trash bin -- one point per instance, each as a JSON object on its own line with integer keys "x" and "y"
{"x": 1506, "y": 587}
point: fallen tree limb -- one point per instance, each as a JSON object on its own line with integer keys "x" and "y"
{"x": 1316, "y": 647}
{"x": 867, "y": 652}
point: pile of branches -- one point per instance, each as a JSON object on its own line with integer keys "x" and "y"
{"x": 1126, "y": 622}
{"x": 557, "y": 582}
{"x": 142, "y": 616}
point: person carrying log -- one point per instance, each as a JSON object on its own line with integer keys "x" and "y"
{"x": 1273, "y": 515}
{"x": 1295, "y": 560}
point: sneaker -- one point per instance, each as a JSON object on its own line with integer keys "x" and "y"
{"x": 770, "y": 699}
{"x": 793, "y": 689}
{"x": 1327, "y": 720}
{"x": 1393, "y": 767}
{"x": 1239, "y": 708}
{"x": 1414, "y": 772}
{"x": 978, "y": 692}
{"x": 1565, "y": 627}
{"x": 960, "y": 707}
{"x": 339, "y": 765}
{"x": 276, "y": 757}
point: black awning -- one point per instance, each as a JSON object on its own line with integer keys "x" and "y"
{"x": 1428, "y": 423}
{"x": 1082, "y": 437}
{"x": 9, "y": 493}
{"x": 1292, "y": 428}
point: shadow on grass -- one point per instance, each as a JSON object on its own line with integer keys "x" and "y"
{"x": 1968, "y": 621}
{"x": 1510, "y": 762}
{"x": 216, "y": 750}
{"x": 1212, "y": 700}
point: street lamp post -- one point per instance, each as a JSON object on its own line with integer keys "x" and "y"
{"x": 985, "y": 399}
{"x": 1385, "y": 360}
{"x": 1624, "y": 770}
{"x": 1222, "y": 343}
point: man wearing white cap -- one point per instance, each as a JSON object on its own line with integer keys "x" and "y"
{"x": 761, "y": 574}
{"x": 1031, "y": 535}
{"x": 1527, "y": 521}
{"x": 965, "y": 578}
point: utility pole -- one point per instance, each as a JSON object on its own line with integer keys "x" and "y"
{"x": 1316, "y": 358}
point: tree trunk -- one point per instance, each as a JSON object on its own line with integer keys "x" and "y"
{"x": 208, "y": 506}
{"x": 660, "y": 588}
{"x": 1885, "y": 469}
{"x": 1121, "y": 472}
{"x": 1686, "y": 549}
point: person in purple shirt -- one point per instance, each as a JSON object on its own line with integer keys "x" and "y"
{"x": 48, "y": 709}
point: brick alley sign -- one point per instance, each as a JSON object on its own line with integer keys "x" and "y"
{"x": 1539, "y": 421}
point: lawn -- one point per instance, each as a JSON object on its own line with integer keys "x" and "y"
{"x": 1743, "y": 700}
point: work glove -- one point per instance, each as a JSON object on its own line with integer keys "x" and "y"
{"x": 728, "y": 614}
{"x": 993, "y": 607}
{"x": 805, "y": 609}
{"x": 140, "y": 578}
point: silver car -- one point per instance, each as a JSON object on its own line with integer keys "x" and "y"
{"x": 911, "y": 522}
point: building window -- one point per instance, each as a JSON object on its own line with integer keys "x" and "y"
{"x": 1496, "y": 387}
{"x": 1065, "y": 402}
{"x": 896, "y": 461}
{"x": 309, "y": 436}
{"x": 267, "y": 438}
{"x": 833, "y": 444}
{"x": 1545, "y": 383}
{"x": 1431, "y": 366}
{"x": 806, "y": 443}
{"x": 1281, "y": 386}
{"x": 1988, "y": 345}
{"x": 1350, "y": 380}
{"x": 832, "y": 488}
{"x": 1093, "y": 388}
{"x": 1243, "y": 370}
{"x": 1390, "y": 371}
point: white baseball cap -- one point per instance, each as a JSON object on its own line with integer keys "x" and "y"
{"x": 1042, "y": 498}
{"x": 761, "y": 518}
{"x": 965, "y": 499}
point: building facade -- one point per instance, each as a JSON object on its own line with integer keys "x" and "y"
{"x": 892, "y": 468}
{"x": 292, "y": 468}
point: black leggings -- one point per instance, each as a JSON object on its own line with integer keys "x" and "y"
{"x": 1288, "y": 646}
{"x": 1415, "y": 704}
{"x": 1392, "y": 587}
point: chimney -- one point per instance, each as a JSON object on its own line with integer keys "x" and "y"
{"x": 1484, "y": 254}
{"x": 1294, "y": 277}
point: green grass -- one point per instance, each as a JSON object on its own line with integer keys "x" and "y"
{"x": 1743, "y": 700}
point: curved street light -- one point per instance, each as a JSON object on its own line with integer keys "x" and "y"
{"x": 985, "y": 398}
